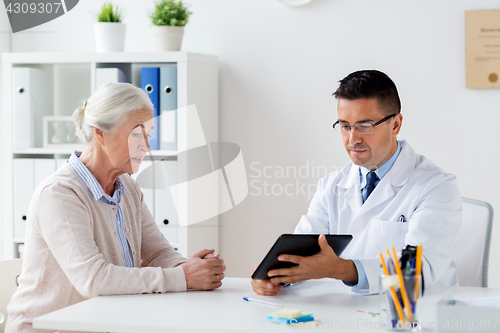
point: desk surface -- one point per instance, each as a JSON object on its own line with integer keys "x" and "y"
{"x": 224, "y": 310}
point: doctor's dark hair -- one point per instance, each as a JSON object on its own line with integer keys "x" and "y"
{"x": 367, "y": 84}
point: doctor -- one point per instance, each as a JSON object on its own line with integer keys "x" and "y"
{"x": 387, "y": 196}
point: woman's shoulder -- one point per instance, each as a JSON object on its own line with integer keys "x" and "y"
{"x": 62, "y": 180}
{"x": 66, "y": 182}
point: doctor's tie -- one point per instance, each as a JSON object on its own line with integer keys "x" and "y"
{"x": 371, "y": 179}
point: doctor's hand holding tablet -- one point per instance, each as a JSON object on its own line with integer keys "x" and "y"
{"x": 296, "y": 258}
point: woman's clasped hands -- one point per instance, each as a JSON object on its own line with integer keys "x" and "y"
{"x": 204, "y": 270}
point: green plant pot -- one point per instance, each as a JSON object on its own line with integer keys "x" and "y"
{"x": 168, "y": 38}
{"x": 109, "y": 37}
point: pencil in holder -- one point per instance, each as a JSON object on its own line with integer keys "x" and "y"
{"x": 400, "y": 304}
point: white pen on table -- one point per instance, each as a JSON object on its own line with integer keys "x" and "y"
{"x": 248, "y": 299}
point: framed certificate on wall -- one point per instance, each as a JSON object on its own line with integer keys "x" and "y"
{"x": 482, "y": 48}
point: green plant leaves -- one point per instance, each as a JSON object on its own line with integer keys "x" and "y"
{"x": 109, "y": 13}
{"x": 170, "y": 12}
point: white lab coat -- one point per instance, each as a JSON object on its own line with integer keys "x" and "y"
{"x": 414, "y": 187}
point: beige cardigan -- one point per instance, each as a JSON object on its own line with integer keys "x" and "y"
{"x": 73, "y": 253}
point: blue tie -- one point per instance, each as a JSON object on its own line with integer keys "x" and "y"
{"x": 371, "y": 179}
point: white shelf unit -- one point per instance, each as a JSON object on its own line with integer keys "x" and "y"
{"x": 71, "y": 78}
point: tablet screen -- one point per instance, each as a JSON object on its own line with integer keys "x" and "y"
{"x": 301, "y": 245}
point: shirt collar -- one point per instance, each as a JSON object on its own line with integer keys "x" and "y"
{"x": 92, "y": 183}
{"x": 382, "y": 170}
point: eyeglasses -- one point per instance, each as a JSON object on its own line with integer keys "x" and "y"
{"x": 361, "y": 128}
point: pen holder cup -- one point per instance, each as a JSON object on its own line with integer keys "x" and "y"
{"x": 400, "y": 306}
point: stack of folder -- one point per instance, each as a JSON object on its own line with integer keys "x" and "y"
{"x": 160, "y": 83}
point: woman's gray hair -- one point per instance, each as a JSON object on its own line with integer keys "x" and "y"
{"x": 107, "y": 108}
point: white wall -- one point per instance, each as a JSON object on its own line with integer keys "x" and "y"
{"x": 278, "y": 68}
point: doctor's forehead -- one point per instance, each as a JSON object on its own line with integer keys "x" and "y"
{"x": 358, "y": 110}
{"x": 368, "y": 120}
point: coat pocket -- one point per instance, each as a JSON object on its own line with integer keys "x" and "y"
{"x": 383, "y": 235}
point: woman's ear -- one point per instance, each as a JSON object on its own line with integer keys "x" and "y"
{"x": 99, "y": 135}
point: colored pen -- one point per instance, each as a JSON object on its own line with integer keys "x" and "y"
{"x": 415, "y": 281}
{"x": 408, "y": 268}
{"x": 248, "y": 299}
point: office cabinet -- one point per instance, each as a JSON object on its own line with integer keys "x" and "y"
{"x": 28, "y": 173}
{"x": 41, "y": 90}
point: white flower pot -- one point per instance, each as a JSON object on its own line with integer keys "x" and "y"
{"x": 109, "y": 37}
{"x": 168, "y": 38}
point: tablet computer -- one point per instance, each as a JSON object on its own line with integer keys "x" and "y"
{"x": 300, "y": 245}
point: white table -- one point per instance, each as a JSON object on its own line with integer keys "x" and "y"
{"x": 224, "y": 310}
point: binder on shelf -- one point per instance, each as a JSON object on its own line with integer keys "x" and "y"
{"x": 165, "y": 212}
{"x": 107, "y": 75}
{"x": 153, "y": 177}
{"x": 24, "y": 185}
{"x": 168, "y": 108}
{"x": 150, "y": 82}
{"x": 29, "y": 105}
{"x": 20, "y": 250}
{"x": 147, "y": 182}
{"x": 28, "y": 174}
{"x": 44, "y": 167}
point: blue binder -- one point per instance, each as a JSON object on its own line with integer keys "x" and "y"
{"x": 150, "y": 83}
{"x": 168, "y": 108}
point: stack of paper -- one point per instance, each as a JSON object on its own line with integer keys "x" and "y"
{"x": 486, "y": 302}
{"x": 468, "y": 315}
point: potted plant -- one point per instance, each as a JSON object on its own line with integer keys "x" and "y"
{"x": 169, "y": 18}
{"x": 109, "y": 29}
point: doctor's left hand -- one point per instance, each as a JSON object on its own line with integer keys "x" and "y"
{"x": 324, "y": 264}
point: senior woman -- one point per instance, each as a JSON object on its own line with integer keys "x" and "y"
{"x": 89, "y": 231}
